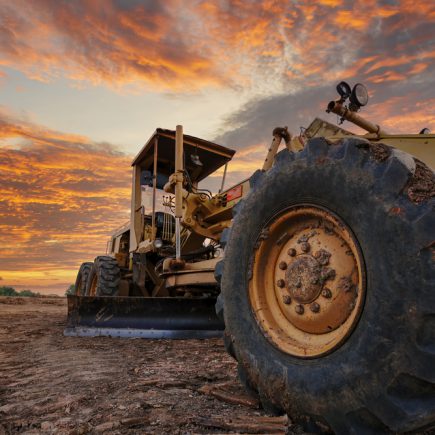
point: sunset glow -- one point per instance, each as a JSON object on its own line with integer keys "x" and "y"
{"x": 83, "y": 85}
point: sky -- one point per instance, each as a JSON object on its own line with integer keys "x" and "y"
{"x": 84, "y": 84}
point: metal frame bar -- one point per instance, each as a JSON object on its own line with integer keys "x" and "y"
{"x": 153, "y": 215}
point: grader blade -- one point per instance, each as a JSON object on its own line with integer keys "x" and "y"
{"x": 137, "y": 317}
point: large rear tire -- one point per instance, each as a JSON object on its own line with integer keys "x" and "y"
{"x": 368, "y": 365}
{"x": 104, "y": 277}
{"x": 82, "y": 279}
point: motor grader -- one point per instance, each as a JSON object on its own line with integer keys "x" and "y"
{"x": 320, "y": 267}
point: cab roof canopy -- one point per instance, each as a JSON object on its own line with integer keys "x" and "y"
{"x": 211, "y": 155}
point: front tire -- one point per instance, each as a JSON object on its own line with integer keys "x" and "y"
{"x": 82, "y": 279}
{"x": 380, "y": 375}
{"x": 104, "y": 277}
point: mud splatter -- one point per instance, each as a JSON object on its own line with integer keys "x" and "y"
{"x": 421, "y": 186}
{"x": 379, "y": 151}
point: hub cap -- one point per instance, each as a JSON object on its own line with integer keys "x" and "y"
{"x": 307, "y": 284}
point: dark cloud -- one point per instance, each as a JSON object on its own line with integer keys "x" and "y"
{"x": 254, "y": 122}
{"x": 400, "y": 108}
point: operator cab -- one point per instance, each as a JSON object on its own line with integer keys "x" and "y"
{"x": 201, "y": 157}
{"x": 152, "y": 209}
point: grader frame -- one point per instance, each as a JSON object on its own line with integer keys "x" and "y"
{"x": 167, "y": 259}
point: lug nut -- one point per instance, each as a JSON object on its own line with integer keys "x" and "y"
{"x": 315, "y": 307}
{"x": 326, "y": 293}
{"x": 305, "y": 247}
{"x": 322, "y": 257}
{"x": 282, "y": 265}
{"x": 280, "y": 283}
{"x": 299, "y": 309}
{"x": 291, "y": 252}
{"x": 328, "y": 273}
{"x": 287, "y": 299}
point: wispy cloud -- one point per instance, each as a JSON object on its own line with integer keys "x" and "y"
{"x": 61, "y": 195}
{"x": 185, "y": 46}
{"x": 110, "y": 42}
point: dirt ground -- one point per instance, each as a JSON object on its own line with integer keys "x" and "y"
{"x": 67, "y": 385}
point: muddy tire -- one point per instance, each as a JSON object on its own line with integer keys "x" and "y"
{"x": 104, "y": 277}
{"x": 379, "y": 377}
{"x": 82, "y": 279}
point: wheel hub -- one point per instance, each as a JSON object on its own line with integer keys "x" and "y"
{"x": 303, "y": 279}
{"x": 307, "y": 287}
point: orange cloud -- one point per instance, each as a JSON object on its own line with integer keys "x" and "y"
{"x": 332, "y": 3}
{"x": 61, "y": 196}
{"x": 184, "y": 46}
{"x": 404, "y": 113}
{"x": 103, "y": 42}
{"x": 349, "y": 19}
{"x": 308, "y": 43}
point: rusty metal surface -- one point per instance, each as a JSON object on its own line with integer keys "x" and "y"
{"x": 303, "y": 279}
{"x": 307, "y": 288}
{"x": 142, "y": 317}
{"x": 421, "y": 146}
{"x": 340, "y": 109}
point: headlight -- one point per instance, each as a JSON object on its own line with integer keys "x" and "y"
{"x": 158, "y": 243}
{"x": 343, "y": 90}
{"x": 359, "y": 96}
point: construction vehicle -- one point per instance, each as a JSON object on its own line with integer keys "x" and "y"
{"x": 321, "y": 266}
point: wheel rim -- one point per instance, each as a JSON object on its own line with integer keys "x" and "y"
{"x": 307, "y": 285}
{"x": 93, "y": 288}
